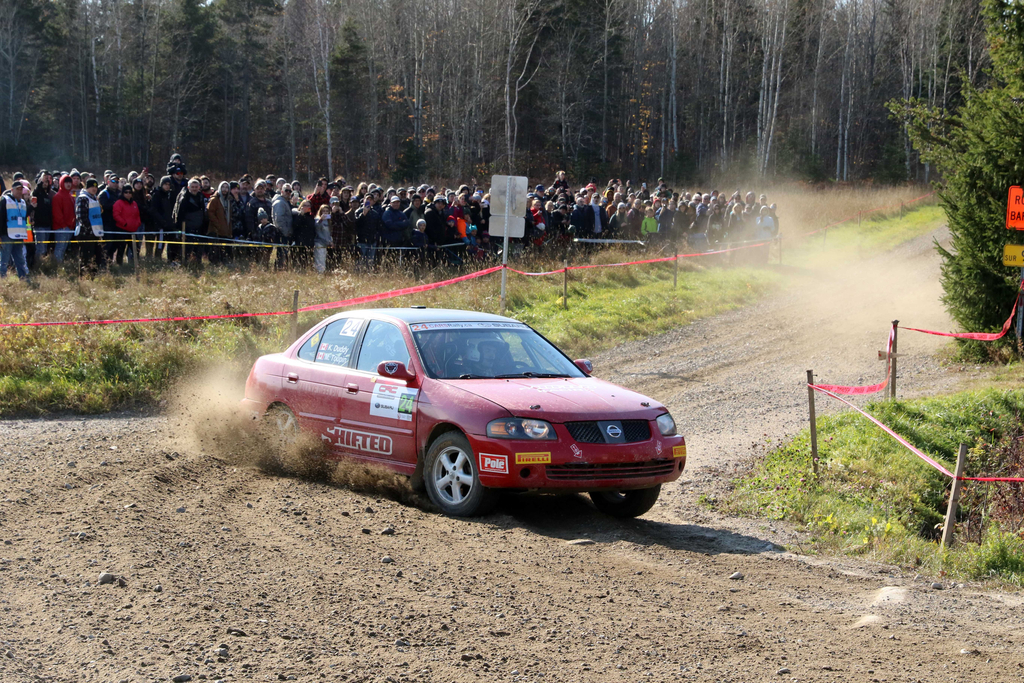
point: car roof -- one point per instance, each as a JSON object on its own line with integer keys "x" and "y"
{"x": 425, "y": 315}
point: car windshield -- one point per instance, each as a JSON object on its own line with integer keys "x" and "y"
{"x": 488, "y": 351}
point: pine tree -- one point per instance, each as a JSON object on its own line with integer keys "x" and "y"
{"x": 980, "y": 153}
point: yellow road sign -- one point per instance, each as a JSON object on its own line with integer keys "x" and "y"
{"x": 1013, "y": 255}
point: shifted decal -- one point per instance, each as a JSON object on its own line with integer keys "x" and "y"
{"x": 533, "y": 458}
{"x": 389, "y": 400}
{"x": 391, "y": 368}
{"x": 496, "y": 464}
{"x": 322, "y": 389}
{"x": 353, "y": 440}
{"x": 577, "y": 452}
{"x": 679, "y": 451}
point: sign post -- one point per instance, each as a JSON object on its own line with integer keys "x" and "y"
{"x": 1020, "y": 317}
{"x": 1015, "y": 208}
{"x": 508, "y": 201}
{"x": 1013, "y": 254}
{"x": 504, "y": 248}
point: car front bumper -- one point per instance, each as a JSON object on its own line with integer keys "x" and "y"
{"x": 566, "y": 465}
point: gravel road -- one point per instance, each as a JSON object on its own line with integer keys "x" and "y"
{"x": 128, "y": 553}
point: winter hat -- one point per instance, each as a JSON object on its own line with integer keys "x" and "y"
{"x": 261, "y": 214}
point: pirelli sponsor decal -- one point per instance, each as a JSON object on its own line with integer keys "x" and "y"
{"x": 533, "y": 458}
{"x": 679, "y": 451}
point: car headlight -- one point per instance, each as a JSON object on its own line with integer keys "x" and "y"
{"x": 666, "y": 425}
{"x": 515, "y": 428}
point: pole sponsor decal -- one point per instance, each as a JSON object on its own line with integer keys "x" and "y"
{"x": 493, "y": 464}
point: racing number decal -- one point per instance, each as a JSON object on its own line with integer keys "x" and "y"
{"x": 406, "y": 403}
{"x": 393, "y": 401}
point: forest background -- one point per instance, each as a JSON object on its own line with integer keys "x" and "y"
{"x": 410, "y": 89}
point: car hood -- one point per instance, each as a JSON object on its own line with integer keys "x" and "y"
{"x": 562, "y": 399}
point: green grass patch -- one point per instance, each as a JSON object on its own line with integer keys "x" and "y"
{"x": 876, "y": 233}
{"x": 874, "y": 497}
{"x": 632, "y": 303}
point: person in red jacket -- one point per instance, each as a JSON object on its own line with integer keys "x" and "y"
{"x": 319, "y": 196}
{"x": 126, "y": 216}
{"x": 63, "y": 217}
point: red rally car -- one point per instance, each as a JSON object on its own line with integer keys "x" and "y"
{"x": 468, "y": 404}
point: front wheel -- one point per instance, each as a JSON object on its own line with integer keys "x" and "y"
{"x": 450, "y": 477}
{"x": 626, "y": 503}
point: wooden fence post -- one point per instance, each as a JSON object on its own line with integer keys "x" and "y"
{"x": 892, "y": 361}
{"x": 295, "y": 315}
{"x": 814, "y": 422}
{"x": 565, "y": 285}
{"x": 135, "y": 256}
{"x": 954, "y": 497}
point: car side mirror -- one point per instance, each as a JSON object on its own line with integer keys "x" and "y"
{"x": 395, "y": 370}
{"x": 585, "y": 366}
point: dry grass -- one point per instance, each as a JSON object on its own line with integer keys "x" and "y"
{"x": 801, "y": 211}
{"x": 97, "y": 368}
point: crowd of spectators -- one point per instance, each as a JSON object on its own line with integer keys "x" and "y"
{"x": 185, "y": 219}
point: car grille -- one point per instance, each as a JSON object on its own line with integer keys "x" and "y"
{"x": 589, "y": 432}
{"x": 619, "y": 470}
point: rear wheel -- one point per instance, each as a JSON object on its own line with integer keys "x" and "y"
{"x": 281, "y": 425}
{"x": 626, "y": 503}
{"x": 450, "y": 477}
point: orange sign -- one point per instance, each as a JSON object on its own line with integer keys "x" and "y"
{"x": 1015, "y": 208}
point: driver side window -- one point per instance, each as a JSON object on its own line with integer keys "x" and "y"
{"x": 382, "y": 341}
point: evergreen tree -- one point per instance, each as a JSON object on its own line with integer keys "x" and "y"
{"x": 980, "y": 153}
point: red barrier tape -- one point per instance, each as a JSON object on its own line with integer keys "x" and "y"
{"x": 398, "y": 292}
{"x": 637, "y": 263}
{"x": 142, "y": 320}
{"x": 872, "y": 388}
{"x": 979, "y": 336}
{"x": 369, "y": 298}
{"x": 821, "y": 388}
{"x": 318, "y": 307}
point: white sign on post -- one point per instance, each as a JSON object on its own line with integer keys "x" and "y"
{"x": 516, "y": 226}
{"x": 508, "y": 195}
{"x": 508, "y": 211}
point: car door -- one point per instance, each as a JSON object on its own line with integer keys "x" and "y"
{"x": 383, "y": 407}
{"x": 319, "y": 376}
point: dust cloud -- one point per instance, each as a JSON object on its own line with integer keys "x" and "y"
{"x": 206, "y": 407}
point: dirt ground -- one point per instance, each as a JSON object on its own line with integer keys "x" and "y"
{"x": 223, "y": 571}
